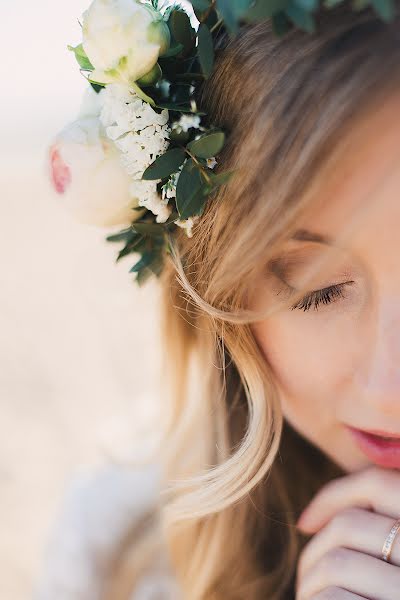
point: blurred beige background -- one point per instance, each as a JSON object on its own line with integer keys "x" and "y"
{"x": 78, "y": 348}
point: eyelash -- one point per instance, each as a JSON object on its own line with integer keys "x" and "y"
{"x": 324, "y": 296}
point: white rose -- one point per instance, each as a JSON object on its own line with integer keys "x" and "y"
{"x": 86, "y": 170}
{"x": 123, "y": 39}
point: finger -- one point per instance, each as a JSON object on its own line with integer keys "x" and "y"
{"x": 335, "y": 593}
{"x": 354, "y": 528}
{"x": 373, "y": 488}
{"x": 354, "y": 571}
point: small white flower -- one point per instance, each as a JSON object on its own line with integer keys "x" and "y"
{"x": 169, "y": 188}
{"x": 123, "y": 39}
{"x": 148, "y": 197}
{"x": 188, "y": 224}
{"x": 186, "y": 122}
{"x": 211, "y": 162}
{"x": 141, "y": 134}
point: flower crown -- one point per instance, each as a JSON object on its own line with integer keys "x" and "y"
{"x": 142, "y": 154}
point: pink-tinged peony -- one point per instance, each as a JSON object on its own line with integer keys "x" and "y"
{"x": 60, "y": 172}
{"x": 87, "y": 173}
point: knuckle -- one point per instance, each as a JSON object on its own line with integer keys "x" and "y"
{"x": 343, "y": 521}
{"x": 379, "y": 477}
{"x": 333, "y": 562}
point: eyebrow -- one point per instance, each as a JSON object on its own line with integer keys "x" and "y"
{"x": 305, "y": 235}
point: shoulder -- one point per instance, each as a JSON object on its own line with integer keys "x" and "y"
{"x": 97, "y": 510}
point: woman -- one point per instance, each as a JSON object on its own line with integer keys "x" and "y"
{"x": 282, "y": 331}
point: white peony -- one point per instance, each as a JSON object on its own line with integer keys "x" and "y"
{"x": 86, "y": 170}
{"x": 123, "y": 39}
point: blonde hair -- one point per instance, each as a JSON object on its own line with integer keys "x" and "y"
{"x": 228, "y": 507}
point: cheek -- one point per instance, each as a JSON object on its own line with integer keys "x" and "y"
{"x": 310, "y": 359}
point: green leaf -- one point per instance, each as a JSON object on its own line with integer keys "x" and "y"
{"x": 145, "y": 261}
{"x": 125, "y": 235}
{"x": 148, "y": 228}
{"x": 157, "y": 265}
{"x": 208, "y": 145}
{"x": 81, "y": 57}
{"x": 281, "y": 24}
{"x": 307, "y": 5}
{"x": 130, "y": 247}
{"x": 142, "y": 276}
{"x": 201, "y": 5}
{"x": 165, "y": 165}
{"x": 385, "y": 9}
{"x": 190, "y": 191}
{"x": 300, "y": 17}
{"x": 173, "y": 50}
{"x": 218, "y": 179}
{"x": 227, "y": 12}
{"x": 262, "y": 10}
{"x": 205, "y": 50}
{"x": 181, "y": 28}
{"x": 232, "y": 11}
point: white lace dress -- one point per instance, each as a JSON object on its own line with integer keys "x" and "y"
{"x": 97, "y": 511}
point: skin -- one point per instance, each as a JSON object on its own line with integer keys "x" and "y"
{"x": 338, "y": 364}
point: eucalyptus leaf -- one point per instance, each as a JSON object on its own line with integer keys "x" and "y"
{"x": 262, "y": 10}
{"x": 208, "y": 145}
{"x": 227, "y": 12}
{"x": 165, "y": 165}
{"x": 205, "y": 50}
{"x": 191, "y": 193}
{"x": 218, "y": 179}
{"x": 201, "y": 5}
{"x": 181, "y": 28}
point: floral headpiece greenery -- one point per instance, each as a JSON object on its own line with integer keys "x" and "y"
{"x": 144, "y": 60}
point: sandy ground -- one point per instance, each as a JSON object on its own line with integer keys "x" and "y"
{"x": 78, "y": 362}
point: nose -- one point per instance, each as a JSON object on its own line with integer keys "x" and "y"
{"x": 381, "y": 386}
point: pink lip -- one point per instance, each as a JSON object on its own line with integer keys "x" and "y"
{"x": 381, "y": 451}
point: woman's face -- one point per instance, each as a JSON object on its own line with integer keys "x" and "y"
{"x": 337, "y": 362}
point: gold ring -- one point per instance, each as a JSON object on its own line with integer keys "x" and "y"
{"x": 387, "y": 546}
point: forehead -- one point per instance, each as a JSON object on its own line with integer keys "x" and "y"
{"x": 359, "y": 192}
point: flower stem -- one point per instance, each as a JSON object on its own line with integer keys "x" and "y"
{"x": 217, "y": 24}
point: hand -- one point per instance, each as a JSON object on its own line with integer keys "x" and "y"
{"x": 351, "y": 517}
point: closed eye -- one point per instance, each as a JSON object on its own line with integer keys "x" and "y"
{"x": 325, "y": 296}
